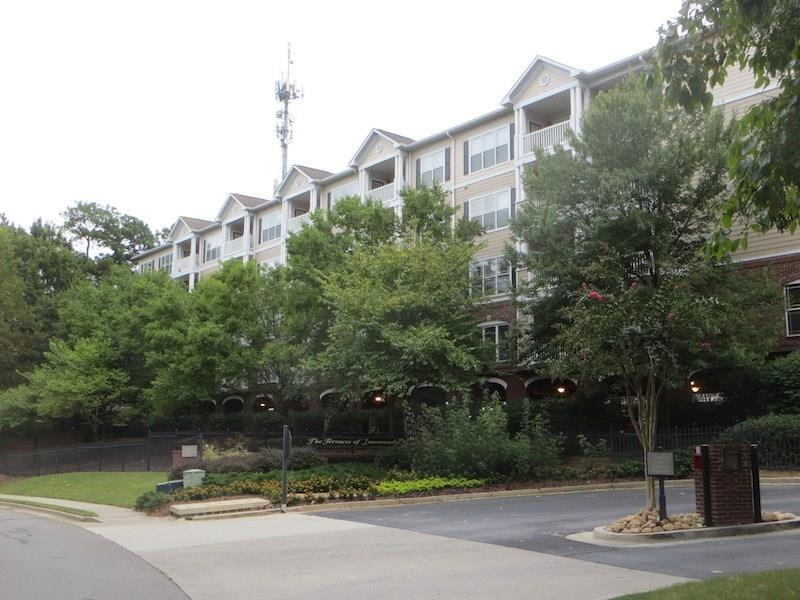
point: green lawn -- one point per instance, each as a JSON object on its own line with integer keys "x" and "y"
{"x": 757, "y": 586}
{"x": 117, "y": 489}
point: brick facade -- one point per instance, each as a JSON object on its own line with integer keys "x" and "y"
{"x": 731, "y": 490}
{"x": 784, "y": 269}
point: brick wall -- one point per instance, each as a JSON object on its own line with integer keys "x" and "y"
{"x": 784, "y": 269}
{"x": 731, "y": 491}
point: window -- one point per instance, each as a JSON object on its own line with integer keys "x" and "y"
{"x": 491, "y": 211}
{"x": 343, "y": 192}
{"x": 497, "y": 335}
{"x": 793, "y": 309}
{"x": 431, "y": 169}
{"x": 212, "y": 250}
{"x": 165, "y": 263}
{"x": 491, "y": 276}
{"x": 270, "y": 227}
{"x": 489, "y": 149}
{"x": 146, "y": 267}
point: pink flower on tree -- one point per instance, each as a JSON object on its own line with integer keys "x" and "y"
{"x": 595, "y": 295}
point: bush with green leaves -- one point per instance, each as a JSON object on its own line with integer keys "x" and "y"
{"x": 777, "y": 436}
{"x": 267, "y": 459}
{"x": 151, "y": 501}
{"x": 392, "y": 487}
{"x": 782, "y": 379}
{"x": 448, "y": 441}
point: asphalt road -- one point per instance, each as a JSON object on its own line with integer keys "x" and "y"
{"x": 541, "y": 524}
{"x": 44, "y": 559}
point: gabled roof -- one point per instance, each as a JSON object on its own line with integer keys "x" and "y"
{"x": 194, "y": 225}
{"x": 312, "y": 173}
{"x": 394, "y": 139}
{"x": 248, "y": 201}
{"x": 535, "y": 64}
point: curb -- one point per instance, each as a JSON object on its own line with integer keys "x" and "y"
{"x": 602, "y": 533}
{"x": 522, "y": 492}
{"x": 53, "y": 512}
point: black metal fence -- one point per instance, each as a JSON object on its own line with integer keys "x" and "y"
{"x": 153, "y": 453}
{"x": 626, "y": 444}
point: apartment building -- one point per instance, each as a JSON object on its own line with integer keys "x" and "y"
{"x": 480, "y": 164}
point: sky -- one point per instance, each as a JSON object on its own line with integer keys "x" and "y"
{"x": 161, "y": 108}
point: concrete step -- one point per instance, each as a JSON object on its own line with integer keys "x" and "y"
{"x": 233, "y": 515}
{"x": 219, "y": 507}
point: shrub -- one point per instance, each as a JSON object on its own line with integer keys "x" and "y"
{"x": 267, "y": 459}
{"x": 394, "y": 457}
{"x": 448, "y": 441}
{"x": 427, "y": 484}
{"x": 626, "y": 469}
{"x": 597, "y": 450}
{"x": 777, "y": 436}
{"x": 782, "y": 377}
{"x": 151, "y": 501}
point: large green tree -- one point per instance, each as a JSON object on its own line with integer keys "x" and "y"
{"x": 402, "y": 309}
{"x": 615, "y": 230}
{"x": 696, "y": 51}
{"x": 116, "y": 236}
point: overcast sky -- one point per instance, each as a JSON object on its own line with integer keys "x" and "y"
{"x": 161, "y": 108}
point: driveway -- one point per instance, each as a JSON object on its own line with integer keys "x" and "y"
{"x": 44, "y": 558}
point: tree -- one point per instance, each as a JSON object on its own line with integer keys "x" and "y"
{"x": 615, "y": 232}
{"x": 402, "y": 308}
{"x": 19, "y": 335}
{"x": 695, "y": 52}
{"x": 102, "y": 227}
{"x": 79, "y": 380}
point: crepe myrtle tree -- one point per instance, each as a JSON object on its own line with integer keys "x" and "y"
{"x": 706, "y": 42}
{"x": 620, "y": 286}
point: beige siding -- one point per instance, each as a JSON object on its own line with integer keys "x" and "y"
{"x": 736, "y": 83}
{"x": 767, "y": 244}
{"x": 297, "y": 181}
{"x": 332, "y": 187}
{"x": 493, "y": 242}
{"x": 534, "y": 87}
{"x": 209, "y": 271}
{"x": 458, "y": 159}
{"x": 233, "y": 211}
{"x": 377, "y": 148}
{"x": 181, "y": 232}
{"x": 737, "y": 108}
{"x": 153, "y": 257}
{"x": 268, "y": 253}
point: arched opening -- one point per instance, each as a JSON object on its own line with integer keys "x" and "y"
{"x": 544, "y": 387}
{"x": 428, "y": 395}
{"x": 232, "y": 405}
{"x": 207, "y": 407}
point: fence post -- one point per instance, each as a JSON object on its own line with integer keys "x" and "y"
{"x": 38, "y": 463}
{"x": 58, "y": 462}
{"x": 100, "y": 462}
{"x": 149, "y": 452}
{"x": 123, "y": 460}
{"x": 79, "y": 458}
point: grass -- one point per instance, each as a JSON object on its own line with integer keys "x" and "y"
{"x": 117, "y": 489}
{"x": 756, "y": 586}
{"x": 65, "y": 509}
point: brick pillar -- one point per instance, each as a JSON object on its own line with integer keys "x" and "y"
{"x": 731, "y": 484}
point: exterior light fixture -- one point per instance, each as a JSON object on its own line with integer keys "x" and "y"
{"x": 262, "y": 404}
{"x": 378, "y": 399}
{"x": 561, "y": 389}
{"x": 694, "y": 386}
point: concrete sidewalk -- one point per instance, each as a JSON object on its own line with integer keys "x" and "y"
{"x": 294, "y": 556}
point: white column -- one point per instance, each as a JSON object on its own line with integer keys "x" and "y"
{"x": 192, "y": 262}
{"x": 578, "y": 108}
{"x": 572, "y": 108}
{"x": 175, "y": 255}
{"x": 248, "y": 218}
{"x": 362, "y": 184}
{"x": 519, "y": 132}
{"x": 313, "y": 201}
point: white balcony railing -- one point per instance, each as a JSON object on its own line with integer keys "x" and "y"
{"x": 296, "y": 223}
{"x": 187, "y": 264}
{"x": 234, "y": 246}
{"x": 545, "y": 138}
{"x": 382, "y": 194}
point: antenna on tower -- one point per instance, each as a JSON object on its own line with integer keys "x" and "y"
{"x": 286, "y": 91}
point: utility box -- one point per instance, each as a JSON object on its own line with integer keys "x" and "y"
{"x": 726, "y": 488}
{"x": 193, "y": 477}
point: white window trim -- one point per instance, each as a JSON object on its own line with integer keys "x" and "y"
{"x": 495, "y": 325}
{"x": 495, "y": 193}
{"x": 475, "y": 137}
{"x": 440, "y": 151}
{"x": 510, "y": 277}
{"x": 789, "y": 310}
{"x": 217, "y": 244}
{"x": 165, "y": 262}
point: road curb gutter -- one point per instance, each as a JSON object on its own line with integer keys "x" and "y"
{"x": 53, "y": 512}
{"x": 602, "y": 532}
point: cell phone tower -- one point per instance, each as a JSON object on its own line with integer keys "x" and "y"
{"x": 286, "y": 91}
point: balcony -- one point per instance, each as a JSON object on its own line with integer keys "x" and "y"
{"x": 234, "y": 246}
{"x": 382, "y": 194}
{"x": 185, "y": 265}
{"x": 296, "y": 223}
{"x": 545, "y": 138}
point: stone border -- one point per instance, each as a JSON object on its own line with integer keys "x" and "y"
{"x": 602, "y": 532}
